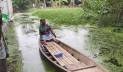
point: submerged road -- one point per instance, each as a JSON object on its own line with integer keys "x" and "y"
{"x": 27, "y": 35}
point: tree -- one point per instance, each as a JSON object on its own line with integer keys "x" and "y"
{"x": 21, "y": 4}
{"x": 104, "y": 12}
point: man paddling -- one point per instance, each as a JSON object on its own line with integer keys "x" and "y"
{"x": 45, "y": 31}
{"x": 46, "y": 34}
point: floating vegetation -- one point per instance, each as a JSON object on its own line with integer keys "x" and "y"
{"x": 109, "y": 45}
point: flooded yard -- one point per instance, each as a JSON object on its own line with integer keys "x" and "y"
{"x": 27, "y": 35}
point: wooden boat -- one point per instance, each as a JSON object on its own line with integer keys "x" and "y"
{"x": 71, "y": 61}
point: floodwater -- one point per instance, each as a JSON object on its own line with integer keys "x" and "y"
{"x": 27, "y": 35}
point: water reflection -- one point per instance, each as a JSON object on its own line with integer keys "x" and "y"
{"x": 27, "y": 33}
{"x": 29, "y": 46}
{"x": 76, "y": 38}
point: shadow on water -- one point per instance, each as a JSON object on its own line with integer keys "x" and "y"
{"x": 27, "y": 34}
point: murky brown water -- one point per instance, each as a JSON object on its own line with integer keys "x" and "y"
{"x": 27, "y": 34}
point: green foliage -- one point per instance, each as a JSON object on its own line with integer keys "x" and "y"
{"x": 68, "y": 16}
{"x": 21, "y": 4}
{"x": 104, "y": 12}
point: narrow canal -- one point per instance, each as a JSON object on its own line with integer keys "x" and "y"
{"x": 27, "y": 35}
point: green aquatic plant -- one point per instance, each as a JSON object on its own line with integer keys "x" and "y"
{"x": 60, "y": 16}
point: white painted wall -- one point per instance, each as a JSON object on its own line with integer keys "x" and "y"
{"x": 6, "y": 6}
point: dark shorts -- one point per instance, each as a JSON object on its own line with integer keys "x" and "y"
{"x": 3, "y": 66}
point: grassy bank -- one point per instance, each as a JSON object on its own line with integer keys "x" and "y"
{"x": 14, "y": 61}
{"x": 67, "y": 16}
{"x": 108, "y": 46}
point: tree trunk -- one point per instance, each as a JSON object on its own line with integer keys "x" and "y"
{"x": 52, "y": 4}
{"x": 44, "y": 3}
{"x": 83, "y": 2}
{"x": 59, "y": 3}
{"x": 72, "y": 3}
{"x": 37, "y": 3}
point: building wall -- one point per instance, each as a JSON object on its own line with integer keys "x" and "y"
{"x": 7, "y": 9}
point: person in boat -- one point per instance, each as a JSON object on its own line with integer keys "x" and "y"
{"x": 45, "y": 31}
